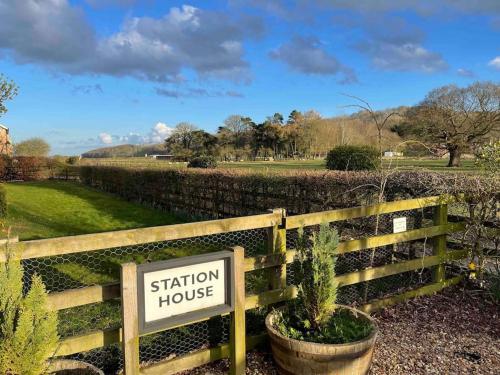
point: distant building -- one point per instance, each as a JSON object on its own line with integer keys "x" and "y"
{"x": 6, "y": 147}
{"x": 160, "y": 157}
{"x": 392, "y": 154}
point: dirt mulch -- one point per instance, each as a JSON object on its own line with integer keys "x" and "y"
{"x": 455, "y": 332}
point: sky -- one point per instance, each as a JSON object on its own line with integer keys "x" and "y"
{"x": 94, "y": 73}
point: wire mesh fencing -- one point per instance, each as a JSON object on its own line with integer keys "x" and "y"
{"x": 79, "y": 270}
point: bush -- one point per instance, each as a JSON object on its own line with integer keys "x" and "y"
{"x": 3, "y": 202}
{"x": 28, "y": 328}
{"x": 353, "y": 158}
{"x": 72, "y": 160}
{"x": 202, "y": 162}
{"x": 488, "y": 157}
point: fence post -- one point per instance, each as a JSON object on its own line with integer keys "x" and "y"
{"x": 439, "y": 242}
{"x": 130, "y": 322}
{"x": 237, "y": 344}
{"x": 276, "y": 244}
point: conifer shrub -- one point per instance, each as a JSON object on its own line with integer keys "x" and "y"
{"x": 353, "y": 158}
{"x": 28, "y": 329}
{"x": 313, "y": 316}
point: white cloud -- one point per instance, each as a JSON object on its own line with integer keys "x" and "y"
{"x": 406, "y": 57}
{"x": 160, "y": 132}
{"x": 56, "y": 34}
{"x": 307, "y": 55}
{"x": 157, "y": 134}
{"x": 394, "y": 44}
{"x": 495, "y": 63}
{"x": 106, "y": 138}
{"x": 465, "y": 72}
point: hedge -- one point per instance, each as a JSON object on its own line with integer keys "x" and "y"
{"x": 29, "y": 168}
{"x": 3, "y": 202}
{"x": 225, "y": 193}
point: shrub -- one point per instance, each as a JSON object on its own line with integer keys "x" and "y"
{"x": 3, "y": 202}
{"x": 28, "y": 328}
{"x": 202, "y": 162}
{"x": 488, "y": 157}
{"x": 72, "y": 160}
{"x": 353, "y": 158}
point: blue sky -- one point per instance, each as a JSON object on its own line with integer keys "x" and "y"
{"x": 103, "y": 72}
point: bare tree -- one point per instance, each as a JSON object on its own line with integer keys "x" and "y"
{"x": 238, "y": 128}
{"x": 457, "y": 119}
{"x": 380, "y": 119}
{"x": 32, "y": 147}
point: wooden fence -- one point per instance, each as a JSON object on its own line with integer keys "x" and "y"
{"x": 277, "y": 223}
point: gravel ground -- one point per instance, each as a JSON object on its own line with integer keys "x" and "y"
{"x": 454, "y": 332}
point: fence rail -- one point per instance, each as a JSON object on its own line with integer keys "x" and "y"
{"x": 276, "y": 259}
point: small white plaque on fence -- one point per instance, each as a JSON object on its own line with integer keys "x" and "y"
{"x": 183, "y": 290}
{"x": 399, "y": 224}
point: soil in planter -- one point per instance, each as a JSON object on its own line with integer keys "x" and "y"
{"x": 341, "y": 328}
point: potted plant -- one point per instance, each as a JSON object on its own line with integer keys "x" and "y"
{"x": 312, "y": 334}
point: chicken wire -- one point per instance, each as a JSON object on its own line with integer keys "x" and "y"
{"x": 97, "y": 267}
{"x": 80, "y": 270}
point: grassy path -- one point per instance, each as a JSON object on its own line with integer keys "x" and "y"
{"x": 47, "y": 209}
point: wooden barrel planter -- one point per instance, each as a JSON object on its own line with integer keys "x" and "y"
{"x": 295, "y": 357}
{"x": 72, "y": 367}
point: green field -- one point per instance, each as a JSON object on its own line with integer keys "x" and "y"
{"x": 54, "y": 208}
{"x": 316, "y": 164}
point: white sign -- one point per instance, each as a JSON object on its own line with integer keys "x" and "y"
{"x": 185, "y": 289}
{"x": 180, "y": 290}
{"x": 399, "y": 224}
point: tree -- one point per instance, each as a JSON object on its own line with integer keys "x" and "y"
{"x": 295, "y": 117}
{"x": 8, "y": 90}
{"x": 32, "y": 147}
{"x": 187, "y": 141}
{"x": 236, "y": 130}
{"x": 456, "y": 119}
{"x": 182, "y": 135}
{"x": 203, "y": 143}
{"x": 276, "y": 119}
{"x": 379, "y": 118}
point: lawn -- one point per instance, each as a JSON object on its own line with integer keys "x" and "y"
{"x": 47, "y": 209}
{"x": 265, "y": 166}
{"x": 53, "y": 208}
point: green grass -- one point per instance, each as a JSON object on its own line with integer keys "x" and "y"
{"x": 405, "y": 164}
{"x": 47, "y": 209}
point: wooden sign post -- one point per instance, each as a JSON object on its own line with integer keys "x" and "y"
{"x": 130, "y": 327}
{"x": 166, "y": 294}
{"x": 237, "y": 345}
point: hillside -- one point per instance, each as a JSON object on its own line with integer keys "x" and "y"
{"x": 122, "y": 151}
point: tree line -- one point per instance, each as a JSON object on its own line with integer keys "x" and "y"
{"x": 450, "y": 119}
{"x": 300, "y": 135}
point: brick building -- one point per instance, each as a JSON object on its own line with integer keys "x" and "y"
{"x": 5, "y": 143}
